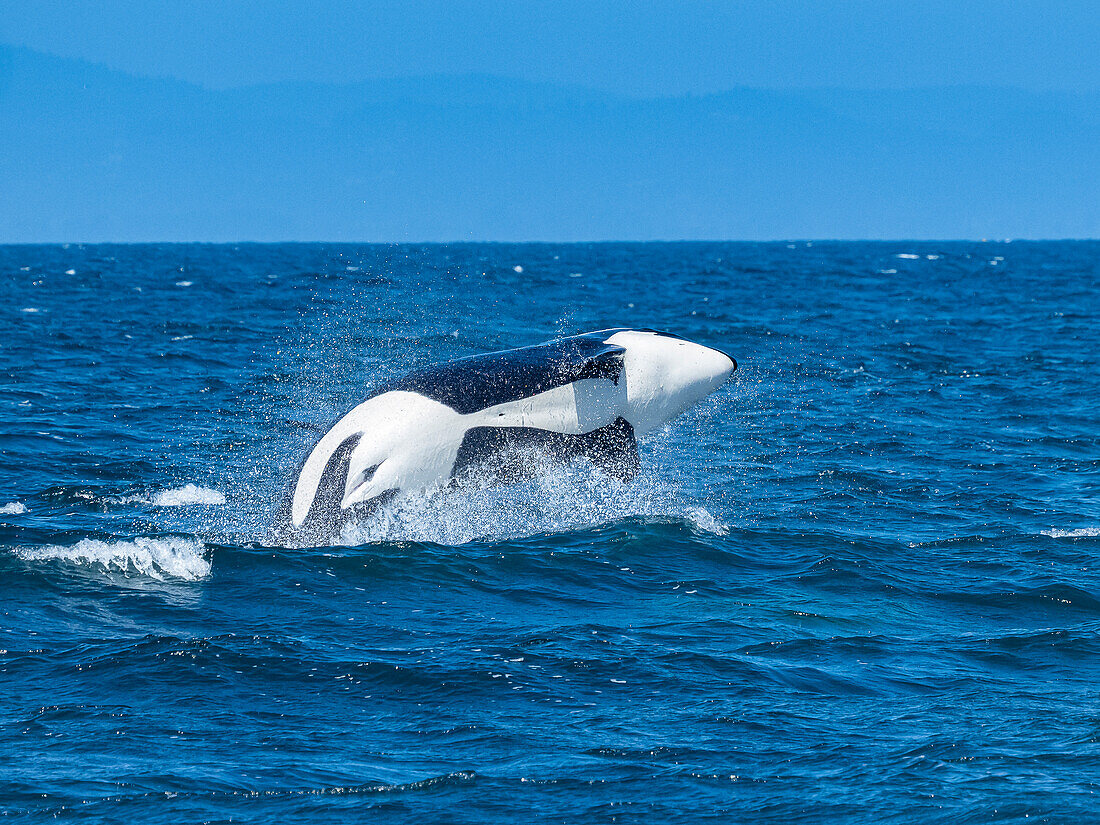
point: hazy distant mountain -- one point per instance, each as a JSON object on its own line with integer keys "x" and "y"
{"x": 89, "y": 154}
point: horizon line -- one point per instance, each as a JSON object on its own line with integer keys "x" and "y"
{"x": 554, "y": 242}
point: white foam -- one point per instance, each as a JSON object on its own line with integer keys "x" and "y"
{"x": 517, "y": 268}
{"x": 30, "y": 309}
{"x": 1084, "y": 532}
{"x": 70, "y": 271}
{"x": 184, "y": 283}
{"x": 557, "y": 500}
{"x": 187, "y": 495}
{"x": 13, "y": 508}
{"x": 176, "y": 558}
{"x": 702, "y": 520}
{"x": 908, "y": 256}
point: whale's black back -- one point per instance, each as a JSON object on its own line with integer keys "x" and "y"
{"x": 471, "y": 384}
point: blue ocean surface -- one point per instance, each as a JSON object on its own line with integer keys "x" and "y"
{"x": 860, "y": 583}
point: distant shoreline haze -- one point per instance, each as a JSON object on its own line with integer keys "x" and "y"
{"x": 89, "y": 154}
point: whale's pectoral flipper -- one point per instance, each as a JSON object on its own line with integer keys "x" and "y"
{"x": 321, "y": 516}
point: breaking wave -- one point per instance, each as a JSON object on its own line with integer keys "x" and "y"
{"x": 176, "y": 558}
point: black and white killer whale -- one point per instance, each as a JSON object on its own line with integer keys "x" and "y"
{"x": 584, "y": 396}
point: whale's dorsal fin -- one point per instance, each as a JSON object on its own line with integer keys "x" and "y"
{"x": 614, "y": 450}
{"x": 511, "y": 454}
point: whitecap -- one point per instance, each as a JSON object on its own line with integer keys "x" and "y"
{"x": 13, "y": 508}
{"x": 187, "y": 495}
{"x": 517, "y": 268}
{"x": 908, "y": 256}
{"x": 704, "y": 522}
{"x": 184, "y": 283}
{"x": 177, "y": 558}
{"x": 30, "y": 309}
{"x": 70, "y": 271}
{"x": 1081, "y": 533}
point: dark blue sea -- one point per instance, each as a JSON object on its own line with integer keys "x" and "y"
{"x": 860, "y": 583}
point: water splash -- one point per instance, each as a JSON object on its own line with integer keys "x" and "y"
{"x": 559, "y": 499}
{"x": 187, "y": 495}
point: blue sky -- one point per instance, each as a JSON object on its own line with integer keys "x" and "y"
{"x": 555, "y": 121}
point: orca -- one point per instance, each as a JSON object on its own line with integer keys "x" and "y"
{"x": 588, "y": 396}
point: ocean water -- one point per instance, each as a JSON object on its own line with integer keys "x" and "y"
{"x": 859, "y": 583}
